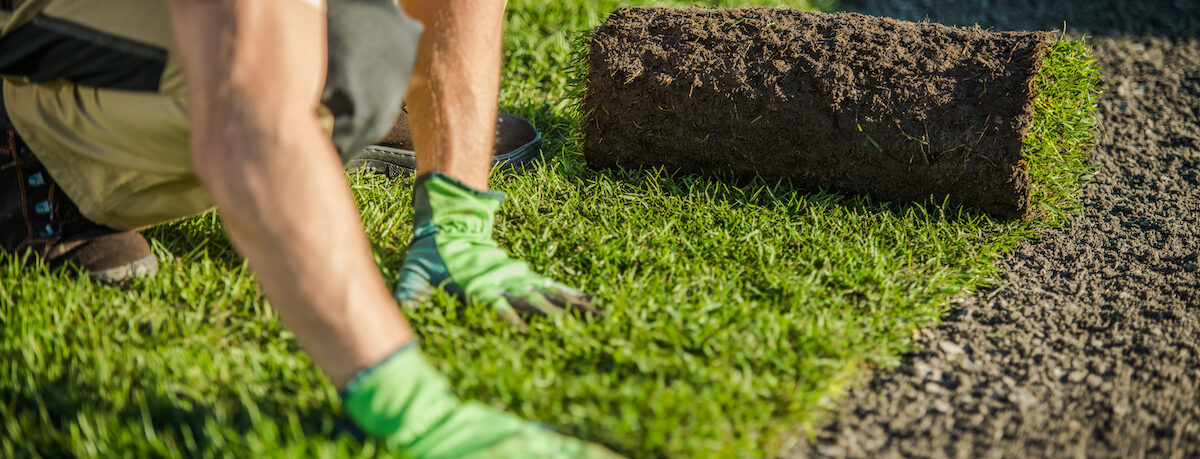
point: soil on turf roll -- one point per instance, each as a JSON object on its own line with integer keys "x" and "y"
{"x": 898, "y": 110}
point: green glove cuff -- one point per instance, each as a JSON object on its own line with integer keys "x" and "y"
{"x": 452, "y": 243}
{"x": 406, "y": 403}
{"x": 452, "y": 248}
{"x": 398, "y": 399}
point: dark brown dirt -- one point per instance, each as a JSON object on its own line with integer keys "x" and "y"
{"x": 899, "y": 110}
{"x": 1089, "y": 344}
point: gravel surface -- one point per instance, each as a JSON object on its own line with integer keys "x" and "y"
{"x": 1089, "y": 344}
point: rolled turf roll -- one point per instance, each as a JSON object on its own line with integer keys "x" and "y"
{"x": 898, "y": 110}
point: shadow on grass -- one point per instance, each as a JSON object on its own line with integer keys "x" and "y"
{"x": 195, "y": 238}
{"x": 170, "y": 422}
{"x": 759, "y": 191}
{"x": 561, "y": 137}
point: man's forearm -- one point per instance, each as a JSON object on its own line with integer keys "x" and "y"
{"x": 306, "y": 247}
{"x": 452, "y": 96}
{"x": 273, "y": 174}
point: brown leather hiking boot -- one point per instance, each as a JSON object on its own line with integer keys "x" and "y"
{"x": 517, "y": 142}
{"x": 37, "y": 217}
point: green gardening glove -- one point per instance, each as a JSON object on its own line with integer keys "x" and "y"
{"x": 452, "y": 248}
{"x": 407, "y": 404}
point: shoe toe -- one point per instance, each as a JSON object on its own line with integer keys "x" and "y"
{"x": 110, "y": 257}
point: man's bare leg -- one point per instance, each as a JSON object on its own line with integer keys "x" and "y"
{"x": 452, "y": 103}
{"x": 453, "y": 92}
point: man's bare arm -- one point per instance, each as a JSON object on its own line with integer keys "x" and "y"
{"x": 254, "y": 70}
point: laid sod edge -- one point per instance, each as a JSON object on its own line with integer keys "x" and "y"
{"x": 1056, "y": 149}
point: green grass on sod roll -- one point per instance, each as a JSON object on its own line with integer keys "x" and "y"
{"x": 1064, "y": 128}
{"x": 736, "y": 314}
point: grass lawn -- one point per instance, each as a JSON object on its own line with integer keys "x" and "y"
{"x": 736, "y": 313}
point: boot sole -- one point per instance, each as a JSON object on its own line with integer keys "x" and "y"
{"x": 398, "y": 162}
{"x": 146, "y": 267}
{"x": 395, "y": 162}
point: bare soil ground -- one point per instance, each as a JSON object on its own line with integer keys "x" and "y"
{"x": 1089, "y": 344}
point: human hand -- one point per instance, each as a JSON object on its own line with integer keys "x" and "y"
{"x": 452, "y": 248}
{"x": 407, "y": 404}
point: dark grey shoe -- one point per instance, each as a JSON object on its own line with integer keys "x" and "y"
{"x": 517, "y": 143}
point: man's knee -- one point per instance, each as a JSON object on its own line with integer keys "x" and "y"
{"x": 372, "y": 51}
